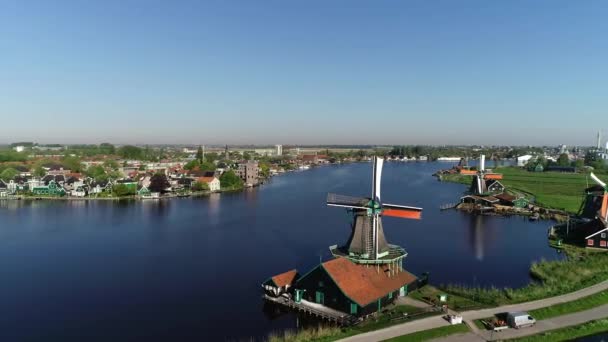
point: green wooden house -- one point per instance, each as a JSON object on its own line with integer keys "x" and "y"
{"x": 53, "y": 189}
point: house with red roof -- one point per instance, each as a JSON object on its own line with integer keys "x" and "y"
{"x": 345, "y": 286}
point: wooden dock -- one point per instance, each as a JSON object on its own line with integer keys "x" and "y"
{"x": 316, "y": 310}
{"x": 448, "y": 206}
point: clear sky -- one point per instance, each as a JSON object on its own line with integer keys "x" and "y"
{"x": 304, "y": 72}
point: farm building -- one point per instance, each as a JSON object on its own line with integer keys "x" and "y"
{"x": 354, "y": 288}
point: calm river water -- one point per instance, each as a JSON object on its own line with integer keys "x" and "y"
{"x": 190, "y": 269}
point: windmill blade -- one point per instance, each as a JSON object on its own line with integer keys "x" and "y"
{"x": 377, "y": 176}
{"x": 346, "y": 201}
{"x": 597, "y": 180}
{"x": 402, "y": 211}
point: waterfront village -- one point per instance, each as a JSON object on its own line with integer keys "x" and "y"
{"x": 105, "y": 171}
{"x": 37, "y": 171}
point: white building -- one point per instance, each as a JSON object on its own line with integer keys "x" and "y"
{"x": 523, "y": 160}
{"x": 279, "y": 150}
{"x": 213, "y": 183}
{"x": 19, "y": 148}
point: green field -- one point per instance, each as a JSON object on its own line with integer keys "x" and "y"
{"x": 551, "y": 189}
{"x": 567, "y": 334}
{"x": 582, "y": 304}
{"x": 432, "y": 333}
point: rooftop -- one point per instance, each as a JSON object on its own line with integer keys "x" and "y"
{"x": 364, "y": 284}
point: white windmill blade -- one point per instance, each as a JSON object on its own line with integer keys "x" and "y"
{"x": 377, "y": 176}
{"x": 597, "y": 180}
{"x": 482, "y": 162}
{"x": 346, "y": 206}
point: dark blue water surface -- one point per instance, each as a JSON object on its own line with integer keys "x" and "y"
{"x": 190, "y": 269}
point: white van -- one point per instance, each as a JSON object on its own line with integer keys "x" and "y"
{"x": 520, "y": 320}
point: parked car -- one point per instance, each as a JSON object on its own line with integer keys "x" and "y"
{"x": 520, "y": 320}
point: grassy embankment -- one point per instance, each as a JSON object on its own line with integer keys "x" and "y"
{"x": 550, "y": 189}
{"x": 582, "y": 304}
{"x": 569, "y": 333}
{"x": 326, "y": 334}
{"x": 431, "y": 333}
{"x": 581, "y": 269}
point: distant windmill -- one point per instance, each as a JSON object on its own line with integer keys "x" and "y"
{"x": 479, "y": 187}
{"x": 367, "y": 243}
{"x": 603, "y": 212}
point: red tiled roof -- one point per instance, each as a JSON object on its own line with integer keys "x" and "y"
{"x": 365, "y": 284}
{"x": 205, "y": 179}
{"x": 286, "y": 278}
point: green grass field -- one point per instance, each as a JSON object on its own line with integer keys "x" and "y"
{"x": 431, "y": 333}
{"x": 570, "y": 333}
{"x": 551, "y": 189}
{"x": 582, "y": 304}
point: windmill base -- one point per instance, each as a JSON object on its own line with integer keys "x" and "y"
{"x": 395, "y": 255}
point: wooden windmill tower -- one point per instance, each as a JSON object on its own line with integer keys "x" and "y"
{"x": 367, "y": 243}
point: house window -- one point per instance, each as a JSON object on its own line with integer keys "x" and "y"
{"x": 603, "y": 235}
{"x": 603, "y": 243}
{"x": 589, "y": 242}
{"x": 390, "y": 295}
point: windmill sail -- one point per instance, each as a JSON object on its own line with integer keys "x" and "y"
{"x": 346, "y": 201}
{"x": 603, "y": 212}
{"x": 402, "y": 211}
{"x": 377, "y": 177}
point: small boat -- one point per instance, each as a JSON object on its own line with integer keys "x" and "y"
{"x": 534, "y": 217}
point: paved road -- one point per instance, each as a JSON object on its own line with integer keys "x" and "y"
{"x": 469, "y": 316}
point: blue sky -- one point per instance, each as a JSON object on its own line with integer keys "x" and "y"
{"x": 304, "y": 72}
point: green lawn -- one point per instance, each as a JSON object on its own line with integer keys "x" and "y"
{"x": 582, "y": 304}
{"x": 429, "y": 293}
{"x": 569, "y": 333}
{"x": 551, "y": 189}
{"x": 432, "y": 333}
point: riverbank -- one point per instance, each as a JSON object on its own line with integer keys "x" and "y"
{"x": 123, "y": 198}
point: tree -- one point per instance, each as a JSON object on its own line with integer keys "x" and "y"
{"x": 39, "y": 171}
{"x": 159, "y": 183}
{"x": 579, "y": 163}
{"x": 264, "y": 169}
{"x": 199, "y": 154}
{"x": 191, "y": 165}
{"x": 96, "y": 172}
{"x": 8, "y": 174}
{"x": 121, "y": 190}
{"x": 229, "y": 179}
{"x": 111, "y": 164}
{"x": 72, "y": 163}
{"x": 130, "y": 152}
{"x": 563, "y": 160}
{"x": 200, "y": 186}
{"x": 107, "y": 148}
